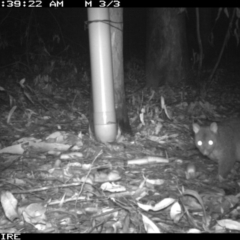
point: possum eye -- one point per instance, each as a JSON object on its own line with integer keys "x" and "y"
{"x": 199, "y": 143}
{"x": 210, "y": 142}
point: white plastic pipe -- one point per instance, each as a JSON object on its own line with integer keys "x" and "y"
{"x": 104, "y": 116}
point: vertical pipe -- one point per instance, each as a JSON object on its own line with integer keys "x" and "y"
{"x": 104, "y": 116}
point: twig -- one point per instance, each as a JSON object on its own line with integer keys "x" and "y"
{"x": 199, "y": 41}
{"x": 224, "y": 44}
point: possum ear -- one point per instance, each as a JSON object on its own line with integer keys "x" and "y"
{"x": 196, "y": 127}
{"x": 214, "y": 127}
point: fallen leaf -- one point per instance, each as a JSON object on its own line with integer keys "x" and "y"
{"x": 9, "y": 204}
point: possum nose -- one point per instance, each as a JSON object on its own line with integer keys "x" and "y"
{"x": 205, "y": 152}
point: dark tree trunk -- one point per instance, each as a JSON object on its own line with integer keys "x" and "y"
{"x": 205, "y": 30}
{"x": 167, "y": 58}
{"x": 116, "y": 16}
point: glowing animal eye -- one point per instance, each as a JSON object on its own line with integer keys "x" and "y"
{"x": 210, "y": 142}
{"x": 199, "y": 143}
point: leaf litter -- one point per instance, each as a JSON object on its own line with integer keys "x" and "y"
{"x": 55, "y": 178}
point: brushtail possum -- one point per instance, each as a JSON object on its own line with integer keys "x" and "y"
{"x": 220, "y": 142}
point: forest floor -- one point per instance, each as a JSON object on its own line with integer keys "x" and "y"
{"x": 55, "y": 178}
